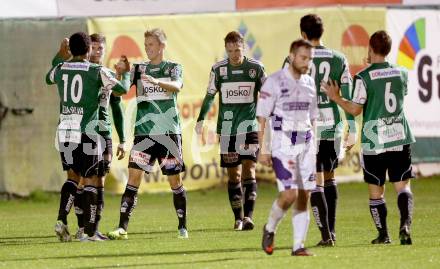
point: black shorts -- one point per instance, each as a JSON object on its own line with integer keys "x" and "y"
{"x": 327, "y": 157}
{"x": 235, "y": 148}
{"x": 82, "y": 158}
{"x": 397, "y": 163}
{"x": 167, "y": 149}
{"x": 107, "y": 155}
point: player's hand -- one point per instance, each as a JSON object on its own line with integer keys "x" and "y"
{"x": 265, "y": 159}
{"x": 349, "y": 141}
{"x": 122, "y": 66}
{"x": 120, "y": 152}
{"x": 331, "y": 89}
{"x": 150, "y": 79}
{"x": 64, "y": 51}
{"x": 199, "y": 128}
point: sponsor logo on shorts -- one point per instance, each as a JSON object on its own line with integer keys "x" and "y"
{"x": 140, "y": 157}
{"x": 230, "y": 157}
{"x": 170, "y": 163}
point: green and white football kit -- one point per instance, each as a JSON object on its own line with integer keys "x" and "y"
{"x": 157, "y": 129}
{"x": 386, "y": 135}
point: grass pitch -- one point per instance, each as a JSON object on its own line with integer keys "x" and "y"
{"x": 27, "y": 239}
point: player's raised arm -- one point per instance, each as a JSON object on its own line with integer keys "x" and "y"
{"x": 63, "y": 53}
{"x": 109, "y": 81}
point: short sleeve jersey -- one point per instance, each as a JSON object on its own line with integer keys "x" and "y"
{"x": 80, "y": 85}
{"x": 291, "y": 104}
{"x": 328, "y": 64}
{"x": 381, "y": 88}
{"x": 238, "y": 87}
{"x": 157, "y": 111}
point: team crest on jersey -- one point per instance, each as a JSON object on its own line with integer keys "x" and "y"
{"x": 284, "y": 93}
{"x": 142, "y": 68}
{"x": 167, "y": 71}
{"x": 252, "y": 73}
{"x": 223, "y": 71}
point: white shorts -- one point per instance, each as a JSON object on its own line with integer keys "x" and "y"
{"x": 295, "y": 168}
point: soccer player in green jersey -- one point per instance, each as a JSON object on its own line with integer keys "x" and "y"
{"x": 238, "y": 80}
{"x": 122, "y": 68}
{"x": 157, "y": 130}
{"x": 327, "y": 64}
{"x": 378, "y": 93}
{"x": 80, "y": 85}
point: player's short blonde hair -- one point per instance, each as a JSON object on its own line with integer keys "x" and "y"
{"x": 158, "y": 33}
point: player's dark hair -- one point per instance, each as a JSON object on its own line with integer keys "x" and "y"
{"x": 79, "y": 43}
{"x": 380, "y": 43}
{"x": 97, "y": 37}
{"x": 312, "y": 26}
{"x": 233, "y": 37}
{"x": 300, "y": 43}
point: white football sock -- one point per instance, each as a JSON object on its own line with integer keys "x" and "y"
{"x": 300, "y": 225}
{"x": 275, "y": 216}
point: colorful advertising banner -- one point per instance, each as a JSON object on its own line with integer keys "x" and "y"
{"x": 196, "y": 42}
{"x": 416, "y": 34}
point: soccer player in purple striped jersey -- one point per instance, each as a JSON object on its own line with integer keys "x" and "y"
{"x": 288, "y": 100}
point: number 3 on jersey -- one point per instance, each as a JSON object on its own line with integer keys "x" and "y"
{"x": 77, "y": 83}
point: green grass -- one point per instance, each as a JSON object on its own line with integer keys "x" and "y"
{"x": 27, "y": 239}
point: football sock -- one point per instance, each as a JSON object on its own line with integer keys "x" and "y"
{"x": 235, "y": 198}
{"x": 300, "y": 223}
{"x": 378, "y": 210}
{"x": 405, "y": 204}
{"x": 128, "y": 203}
{"x": 179, "y": 199}
{"x": 250, "y": 194}
{"x": 331, "y": 197}
{"x": 79, "y": 207}
{"x": 90, "y": 208}
{"x": 100, "y": 203}
{"x": 275, "y": 216}
{"x": 319, "y": 209}
{"x": 67, "y": 199}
